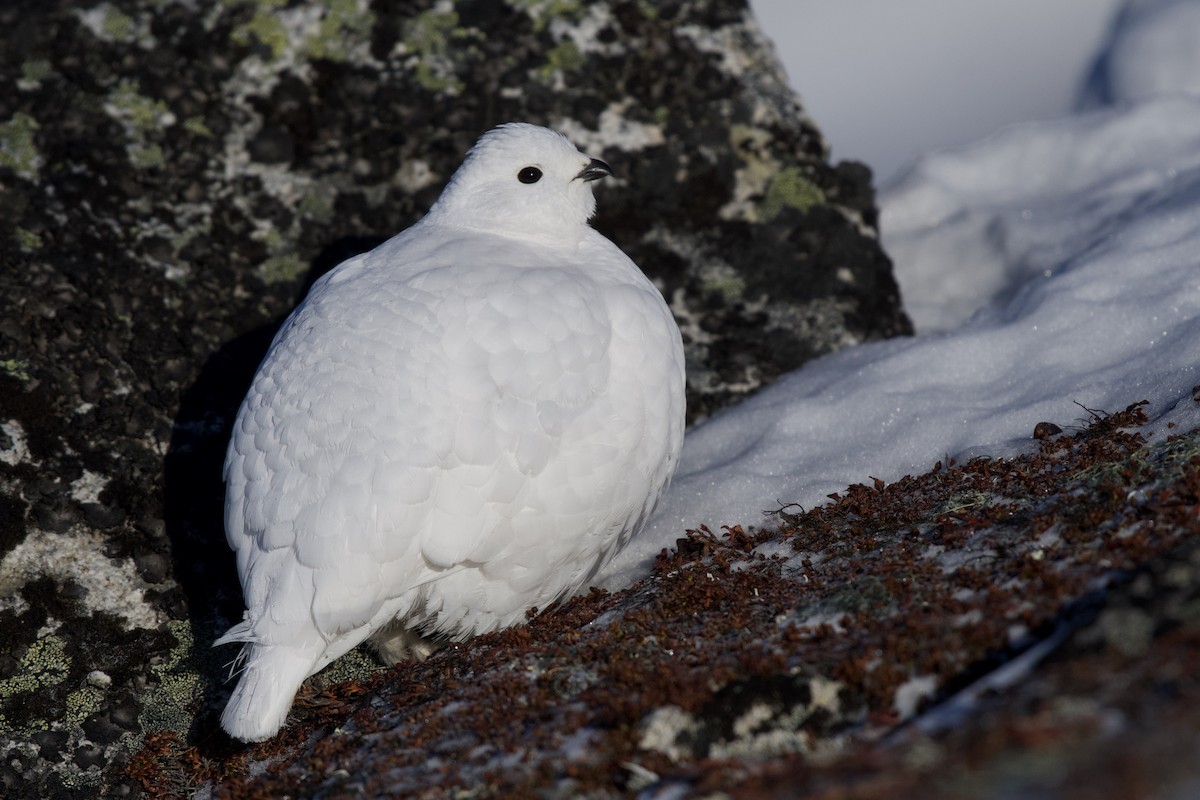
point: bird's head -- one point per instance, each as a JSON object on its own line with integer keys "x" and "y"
{"x": 522, "y": 180}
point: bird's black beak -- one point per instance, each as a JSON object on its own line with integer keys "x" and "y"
{"x": 595, "y": 170}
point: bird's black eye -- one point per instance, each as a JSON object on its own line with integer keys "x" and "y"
{"x": 529, "y": 175}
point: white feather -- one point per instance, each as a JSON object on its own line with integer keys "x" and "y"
{"x": 461, "y": 424}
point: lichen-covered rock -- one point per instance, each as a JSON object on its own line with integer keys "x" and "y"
{"x": 173, "y": 174}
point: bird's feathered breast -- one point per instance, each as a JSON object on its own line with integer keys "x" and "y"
{"x": 419, "y": 405}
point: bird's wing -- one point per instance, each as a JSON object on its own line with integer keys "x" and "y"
{"x": 395, "y": 427}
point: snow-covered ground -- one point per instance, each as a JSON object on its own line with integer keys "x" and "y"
{"x": 1052, "y": 265}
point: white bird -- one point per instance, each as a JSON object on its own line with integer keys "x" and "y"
{"x": 468, "y": 421}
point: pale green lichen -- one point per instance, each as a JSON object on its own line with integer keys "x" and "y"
{"x": 271, "y": 237}
{"x": 16, "y": 367}
{"x": 282, "y": 268}
{"x": 965, "y": 501}
{"x": 731, "y": 288}
{"x": 563, "y": 57}
{"x": 1176, "y": 454}
{"x": 18, "y": 151}
{"x": 197, "y": 126}
{"x": 359, "y": 663}
{"x": 81, "y": 704}
{"x": 1167, "y": 460}
{"x": 27, "y": 240}
{"x": 317, "y": 204}
{"x": 180, "y": 685}
{"x": 173, "y": 703}
{"x": 789, "y": 189}
{"x": 76, "y": 778}
{"x": 118, "y": 26}
{"x": 648, "y": 9}
{"x": 345, "y": 22}
{"x": 428, "y": 36}
{"x": 763, "y": 187}
{"x": 44, "y": 665}
{"x": 142, "y": 117}
{"x": 143, "y": 113}
{"x": 283, "y": 264}
{"x": 542, "y": 12}
{"x": 184, "y": 236}
{"x": 721, "y": 278}
{"x": 110, "y": 24}
{"x": 264, "y": 27}
{"x": 36, "y": 70}
{"x": 146, "y": 156}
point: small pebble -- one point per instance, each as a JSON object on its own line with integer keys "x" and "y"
{"x": 153, "y": 567}
{"x": 89, "y": 755}
{"x": 1044, "y": 430}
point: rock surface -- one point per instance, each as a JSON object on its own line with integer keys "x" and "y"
{"x": 172, "y": 175}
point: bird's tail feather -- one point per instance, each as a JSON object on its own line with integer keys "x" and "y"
{"x": 238, "y": 663}
{"x": 269, "y": 680}
{"x": 238, "y": 633}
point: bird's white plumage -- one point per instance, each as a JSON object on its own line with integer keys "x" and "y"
{"x": 467, "y": 421}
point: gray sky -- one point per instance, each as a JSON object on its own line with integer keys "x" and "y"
{"x": 887, "y": 80}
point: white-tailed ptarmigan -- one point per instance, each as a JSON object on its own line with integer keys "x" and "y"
{"x": 467, "y": 421}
